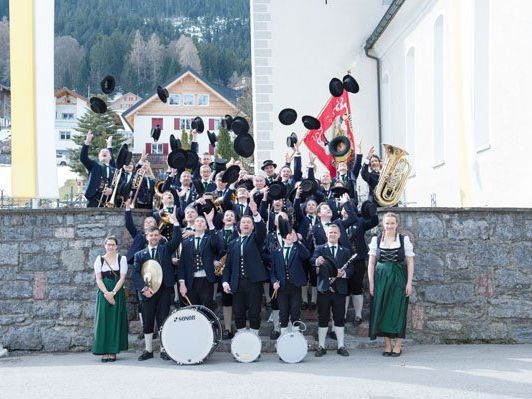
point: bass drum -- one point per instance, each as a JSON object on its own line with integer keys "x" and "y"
{"x": 189, "y": 335}
{"x": 246, "y": 346}
{"x": 292, "y": 347}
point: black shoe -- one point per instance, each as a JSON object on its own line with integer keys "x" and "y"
{"x": 386, "y": 354}
{"x": 331, "y": 335}
{"x": 312, "y": 306}
{"x": 105, "y": 360}
{"x": 112, "y": 359}
{"x": 396, "y": 354}
{"x": 342, "y": 351}
{"x": 320, "y": 351}
{"x": 275, "y": 334}
{"x": 165, "y": 356}
{"x": 146, "y": 355}
{"x": 304, "y": 306}
{"x": 226, "y": 334}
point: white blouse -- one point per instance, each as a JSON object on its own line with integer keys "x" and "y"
{"x": 98, "y": 268}
{"x": 409, "y": 248}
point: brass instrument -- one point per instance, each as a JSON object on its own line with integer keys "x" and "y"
{"x": 158, "y": 188}
{"x": 103, "y": 185}
{"x": 219, "y": 270}
{"x": 166, "y": 225}
{"x": 219, "y": 204}
{"x": 393, "y": 176}
{"x": 110, "y": 203}
{"x": 135, "y": 184}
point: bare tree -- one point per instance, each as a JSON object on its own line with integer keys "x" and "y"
{"x": 138, "y": 56}
{"x": 187, "y": 53}
{"x": 68, "y": 56}
{"x": 155, "y": 53}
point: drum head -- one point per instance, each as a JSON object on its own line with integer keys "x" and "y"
{"x": 292, "y": 347}
{"x": 188, "y": 336}
{"x": 246, "y": 346}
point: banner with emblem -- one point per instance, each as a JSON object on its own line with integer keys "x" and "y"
{"x": 335, "y": 119}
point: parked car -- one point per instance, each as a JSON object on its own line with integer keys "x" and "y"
{"x": 61, "y": 158}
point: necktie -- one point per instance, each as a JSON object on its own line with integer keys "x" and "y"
{"x": 286, "y": 255}
{"x": 153, "y": 253}
{"x": 241, "y": 209}
{"x": 198, "y": 239}
{"x": 204, "y": 185}
{"x": 311, "y": 219}
{"x": 333, "y": 250}
{"x": 344, "y": 178}
{"x": 107, "y": 171}
{"x": 227, "y": 234}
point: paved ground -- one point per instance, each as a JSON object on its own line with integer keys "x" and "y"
{"x": 466, "y": 371}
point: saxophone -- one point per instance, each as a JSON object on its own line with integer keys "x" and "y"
{"x": 219, "y": 270}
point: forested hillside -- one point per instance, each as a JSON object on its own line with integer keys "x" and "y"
{"x": 145, "y": 42}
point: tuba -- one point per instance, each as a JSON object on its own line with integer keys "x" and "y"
{"x": 393, "y": 176}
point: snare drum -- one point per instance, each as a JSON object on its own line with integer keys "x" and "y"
{"x": 189, "y": 335}
{"x": 246, "y": 346}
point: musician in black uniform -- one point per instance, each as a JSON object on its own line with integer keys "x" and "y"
{"x": 226, "y": 235}
{"x": 156, "y": 304}
{"x": 196, "y": 269}
{"x": 332, "y": 296}
{"x": 244, "y": 272}
{"x": 287, "y": 277}
{"x": 371, "y": 172}
{"x": 100, "y": 172}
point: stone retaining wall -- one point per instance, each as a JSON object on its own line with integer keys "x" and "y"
{"x": 472, "y": 280}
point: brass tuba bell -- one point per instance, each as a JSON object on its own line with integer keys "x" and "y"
{"x": 393, "y": 177}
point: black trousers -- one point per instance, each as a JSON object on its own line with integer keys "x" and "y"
{"x": 328, "y": 301}
{"x": 354, "y": 284}
{"x": 201, "y": 292}
{"x": 310, "y": 272}
{"x": 227, "y": 299}
{"x": 247, "y": 299}
{"x": 273, "y": 301}
{"x": 156, "y": 308}
{"x": 289, "y": 299}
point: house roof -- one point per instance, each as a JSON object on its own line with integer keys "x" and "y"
{"x": 66, "y": 91}
{"x": 226, "y": 93}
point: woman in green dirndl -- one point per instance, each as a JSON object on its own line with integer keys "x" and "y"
{"x": 390, "y": 271}
{"x": 110, "y": 319}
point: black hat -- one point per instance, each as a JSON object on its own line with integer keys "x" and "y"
{"x": 310, "y": 122}
{"x": 308, "y": 187}
{"x": 198, "y": 185}
{"x": 339, "y": 146}
{"x": 197, "y": 124}
{"x": 339, "y": 191}
{"x": 124, "y": 189}
{"x": 156, "y": 133}
{"x": 219, "y": 164}
{"x": 287, "y": 116}
{"x": 121, "y": 157}
{"x": 231, "y": 174}
{"x": 328, "y": 269}
{"x": 129, "y": 157}
{"x": 276, "y": 191}
{"x": 192, "y": 159}
{"x": 368, "y": 209}
{"x": 268, "y": 162}
{"x": 212, "y": 138}
{"x": 227, "y": 122}
{"x": 177, "y": 159}
{"x": 284, "y": 226}
{"x": 203, "y": 209}
{"x": 244, "y": 145}
{"x": 175, "y": 144}
{"x": 108, "y": 84}
{"x": 162, "y": 93}
{"x": 350, "y": 84}
{"x": 240, "y": 125}
{"x": 98, "y": 105}
{"x": 291, "y": 140}
{"x": 247, "y": 183}
{"x": 335, "y": 87}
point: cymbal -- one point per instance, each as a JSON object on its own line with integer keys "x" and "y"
{"x": 152, "y": 274}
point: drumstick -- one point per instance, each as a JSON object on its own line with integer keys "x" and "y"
{"x": 188, "y": 300}
{"x": 274, "y": 294}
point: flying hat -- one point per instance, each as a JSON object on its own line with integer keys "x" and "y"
{"x": 177, "y": 159}
{"x": 219, "y": 164}
{"x": 350, "y": 84}
{"x": 240, "y": 125}
{"x": 175, "y": 144}
{"x": 310, "y": 122}
{"x": 285, "y": 227}
{"x": 339, "y": 191}
{"x": 339, "y": 146}
{"x": 156, "y": 133}
{"x": 212, "y": 138}
{"x": 291, "y": 140}
{"x": 162, "y": 93}
{"x": 247, "y": 183}
{"x": 97, "y": 105}
{"x": 287, "y": 116}
{"x": 108, "y": 84}
{"x": 244, "y": 144}
{"x": 197, "y": 124}
{"x": 231, "y": 174}
{"x": 192, "y": 159}
{"x": 277, "y": 190}
{"x": 227, "y": 121}
{"x": 335, "y": 87}
{"x": 203, "y": 209}
{"x": 122, "y": 156}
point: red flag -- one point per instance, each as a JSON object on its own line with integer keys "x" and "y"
{"x": 335, "y": 119}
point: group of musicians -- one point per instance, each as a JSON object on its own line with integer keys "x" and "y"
{"x": 299, "y": 242}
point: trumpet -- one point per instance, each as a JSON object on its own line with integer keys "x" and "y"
{"x": 135, "y": 185}
{"x": 219, "y": 270}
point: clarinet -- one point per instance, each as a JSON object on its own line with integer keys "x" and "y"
{"x": 342, "y": 269}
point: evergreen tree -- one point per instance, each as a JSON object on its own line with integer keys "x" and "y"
{"x": 224, "y": 145}
{"x": 102, "y": 126}
{"x": 185, "y": 144}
